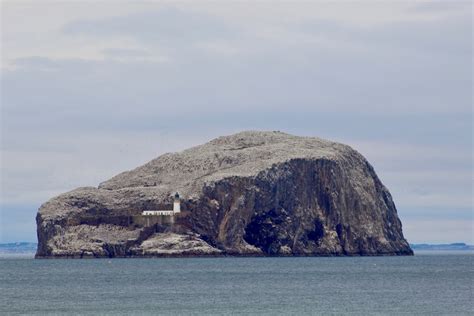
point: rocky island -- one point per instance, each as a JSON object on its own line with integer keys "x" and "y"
{"x": 248, "y": 194}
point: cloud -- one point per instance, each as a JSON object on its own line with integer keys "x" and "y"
{"x": 165, "y": 27}
{"x": 442, "y": 8}
{"x": 394, "y": 81}
{"x": 124, "y": 52}
{"x": 403, "y": 39}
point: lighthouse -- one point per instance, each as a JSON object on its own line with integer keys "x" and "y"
{"x": 176, "y": 204}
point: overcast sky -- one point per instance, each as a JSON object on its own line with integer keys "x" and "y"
{"x": 90, "y": 89}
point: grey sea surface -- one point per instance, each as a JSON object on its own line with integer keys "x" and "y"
{"x": 429, "y": 283}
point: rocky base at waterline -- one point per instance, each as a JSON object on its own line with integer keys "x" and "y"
{"x": 248, "y": 194}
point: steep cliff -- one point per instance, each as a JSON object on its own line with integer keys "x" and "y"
{"x": 252, "y": 193}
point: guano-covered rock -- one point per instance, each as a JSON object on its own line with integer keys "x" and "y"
{"x": 251, "y": 193}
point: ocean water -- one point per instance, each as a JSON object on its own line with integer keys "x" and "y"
{"x": 425, "y": 284}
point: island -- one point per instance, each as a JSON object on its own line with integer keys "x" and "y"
{"x": 253, "y": 193}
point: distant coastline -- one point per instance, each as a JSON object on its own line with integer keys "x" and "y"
{"x": 18, "y": 248}
{"x": 452, "y": 246}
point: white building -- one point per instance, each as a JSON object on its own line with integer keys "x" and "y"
{"x": 176, "y": 208}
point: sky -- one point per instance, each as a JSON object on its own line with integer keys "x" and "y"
{"x": 92, "y": 88}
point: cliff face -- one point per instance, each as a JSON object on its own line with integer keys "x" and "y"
{"x": 252, "y": 193}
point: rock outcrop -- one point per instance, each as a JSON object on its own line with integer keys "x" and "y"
{"x": 252, "y": 193}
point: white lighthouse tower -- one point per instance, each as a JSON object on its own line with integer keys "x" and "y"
{"x": 176, "y": 204}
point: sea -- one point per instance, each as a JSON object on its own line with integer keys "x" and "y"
{"x": 429, "y": 283}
